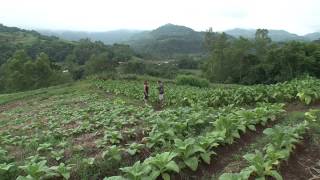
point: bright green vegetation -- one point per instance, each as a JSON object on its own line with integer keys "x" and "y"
{"x": 258, "y": 60}
{"x": 281, "y": 143}
{"x": 80, "y": 131}
{"x": 100, "y": 128}
{"x": 305, "y": 90}
{"x": 29, "y": 60}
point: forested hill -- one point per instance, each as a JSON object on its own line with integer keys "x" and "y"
{"x": 275, "y": 35}
{"x": 168, "y": 40}
{"x": 29, "y": 60}
{"x": 12, "y": 39}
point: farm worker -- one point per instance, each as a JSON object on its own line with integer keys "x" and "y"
{"x": 161, "y": 92}
{"x": 146, "y": 91}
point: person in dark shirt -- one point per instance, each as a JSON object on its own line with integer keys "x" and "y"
{"x": 161, "y": 92}
{"x": 146, "y": 91}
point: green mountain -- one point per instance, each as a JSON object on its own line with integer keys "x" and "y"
{"x": 313, "y": 36}
{"x": 275, "y": 35}
{"x": 12, "y": 39}
{"x": 168, "y": 40}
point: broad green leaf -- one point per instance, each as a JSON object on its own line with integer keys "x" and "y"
{"x": 276, "y": 175}
{"x": 165, "y": 176}
{"x": 192, "y": 163}
{"x": 173, "y": 166}
{"x": 114, "y": 178}
{"x": 206, "y": 157}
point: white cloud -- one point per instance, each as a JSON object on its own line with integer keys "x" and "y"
{"x": 100, "y": 15}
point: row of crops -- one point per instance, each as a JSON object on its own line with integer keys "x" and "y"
{"x": 178, "y": 148}
{"x": 305, "y": 90}
{"x": 282, "y": 141}
{"x": 125, "y": 136}
{"x": 83, "y": 136}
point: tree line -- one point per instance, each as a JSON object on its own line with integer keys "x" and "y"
{"x": 259, "y": 60}
{"x": 49, "y": 61}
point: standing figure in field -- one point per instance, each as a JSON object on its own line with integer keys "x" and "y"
{"x": 146, "y": 91}
{"x": 161, "y": 92}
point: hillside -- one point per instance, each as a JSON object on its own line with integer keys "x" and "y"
{"x": 12, "y": 39}
{"x": 275, "y": 35}
{"x": 109, "y": 37}
{"x": 313, "y": 36}
{"x": 93, "y": 129}
{"x": 168, "y": 40}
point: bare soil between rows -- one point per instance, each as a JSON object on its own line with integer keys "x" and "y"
{"x": 302, "y": 164}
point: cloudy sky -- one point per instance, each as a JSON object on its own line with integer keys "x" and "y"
{"x": 297, "y": 16}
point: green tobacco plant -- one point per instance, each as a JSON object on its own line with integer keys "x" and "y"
{"x": 88, "y": 161}
{"x": 3, "y": 155}
{"x": 112, "y": 153}
{"x": 134, "y": 148}
{"x": 45, "y": 147}
{"x": 284, "y": 137}
{"x": 230, "y": 126}
{"x": 190, "y": 152}
{"x": 57, "y": 155}
{"x": 110, "y": 136}
{"x": 138, "y": 171}
{"x": 161, "y": 164}
{"x": 63, "y": 170}
{"x": 261, "y": 166}
{"x": 36, "y": 170}
{"x": 282, "y": 141}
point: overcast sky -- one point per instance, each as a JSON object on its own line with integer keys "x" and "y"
{"x": 297, "y": 16}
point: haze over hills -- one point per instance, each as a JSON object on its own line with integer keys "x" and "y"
{"x": 169, "y": 39}
{"x": 170, "y": 30}
{"x": 108, "y": 37}
{"x": 275, "y": 35}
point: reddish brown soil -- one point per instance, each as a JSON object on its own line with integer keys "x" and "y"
{"x": 9, "y": 106}
{"x": 302, "y": 164}
{"x": 87, "y": 141}
{"x": 298, "y": 106}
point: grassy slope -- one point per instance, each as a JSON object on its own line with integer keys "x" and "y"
{"x": 57, "y": 108}
{"x": 72, "y": 97}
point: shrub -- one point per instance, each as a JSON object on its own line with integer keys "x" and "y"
{"x": 192, "y": 81}
{"x": 134, "y": 67}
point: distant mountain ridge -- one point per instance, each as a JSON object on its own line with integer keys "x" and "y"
{"x": 108, "y": 37}
{"x": 275, "y": 35}
{"x": 169, "y": 30}
{"x": 170, "y": 39}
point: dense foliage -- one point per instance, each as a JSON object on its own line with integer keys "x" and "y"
{"x": 282, "y": 142}
{"x": 21, "y": 72}
{"x": 192, "y": 81}
{"x": 305, "y": 90}
{"x": 46, "y": 58}
{"x": 259, "y": 60}
{"x": 168, "y": 40}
